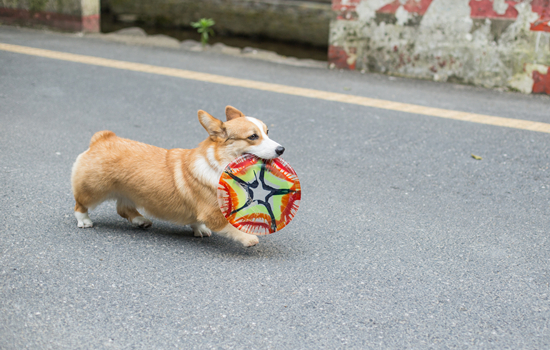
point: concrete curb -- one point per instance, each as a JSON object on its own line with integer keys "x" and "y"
{"x": 137, "y": 36}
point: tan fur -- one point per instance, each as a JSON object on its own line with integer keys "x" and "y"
{"x": 177, "y": 185}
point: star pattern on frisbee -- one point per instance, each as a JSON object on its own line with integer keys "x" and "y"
{"x": 260, "y": 195}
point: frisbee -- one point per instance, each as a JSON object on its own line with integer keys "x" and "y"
{"x": 259, "y": 196}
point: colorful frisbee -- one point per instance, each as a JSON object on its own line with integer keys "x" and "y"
{"x": 259, "y": 196}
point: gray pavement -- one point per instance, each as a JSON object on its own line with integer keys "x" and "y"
{"x": 402, "y": 240}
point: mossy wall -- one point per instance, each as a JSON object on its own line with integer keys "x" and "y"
{"x": 300, "y": 21}
{"x": 68, "y": 15}
{"x": 67, "y": 7}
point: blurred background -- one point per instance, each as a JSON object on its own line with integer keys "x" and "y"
{"x": 495, "y": 44}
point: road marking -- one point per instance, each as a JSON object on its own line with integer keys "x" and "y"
{"x": 282, "y": 89}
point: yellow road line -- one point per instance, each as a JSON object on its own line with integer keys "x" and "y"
{"x": 283, "y": 89}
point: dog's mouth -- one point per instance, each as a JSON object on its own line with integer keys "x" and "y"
{"x": 248, "y": 154}
{"x": 266, "y": 157}
{"x": 266, "y": 150}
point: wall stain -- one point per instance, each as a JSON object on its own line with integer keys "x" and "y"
{"x": 480, "y": 42}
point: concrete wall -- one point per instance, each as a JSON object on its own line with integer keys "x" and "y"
{"x": 492, "y": 43}
{"x": 71, "y": 15}
{"x": 301, "y": 21}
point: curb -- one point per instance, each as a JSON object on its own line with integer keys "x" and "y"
{"x": 137, "y": 36}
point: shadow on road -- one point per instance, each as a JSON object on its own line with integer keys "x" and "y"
{"x": 174, "y": 236}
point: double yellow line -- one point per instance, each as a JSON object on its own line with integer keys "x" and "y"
{"x": 282, "y": 89}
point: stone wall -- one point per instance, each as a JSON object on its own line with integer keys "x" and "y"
{"x": 299, "y": 21}
{"x": 71, "y": 15}
{"x": 492, "y": 43}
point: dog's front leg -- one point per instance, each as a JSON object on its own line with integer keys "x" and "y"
{"x": 200, "y": 230}
{"x": 246, "y": 239}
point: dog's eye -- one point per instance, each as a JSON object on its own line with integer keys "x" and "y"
{"x": 253, "y": 137}
{"x": 267, "y": 132}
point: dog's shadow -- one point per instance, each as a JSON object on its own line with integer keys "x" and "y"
{"x": 174, "y": 235}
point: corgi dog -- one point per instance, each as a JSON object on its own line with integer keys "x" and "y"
{"x": 177, "y": 185}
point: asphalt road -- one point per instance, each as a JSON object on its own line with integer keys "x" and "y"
{"x": 402, "y": 240}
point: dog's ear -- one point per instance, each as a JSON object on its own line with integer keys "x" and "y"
{"x": 232, "y": 113}
{"x": 214, "y": 126}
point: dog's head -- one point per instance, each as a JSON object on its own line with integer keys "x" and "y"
{"x": 240, "y": 134}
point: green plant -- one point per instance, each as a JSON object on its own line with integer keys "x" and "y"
{"x": 37, "y": 5}
{"x": 204, "y": 29}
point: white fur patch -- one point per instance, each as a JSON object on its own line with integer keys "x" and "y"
{"x": 83, "y": 219}
{"x": 178, "y": 177}
{"x": 212, "y": 160}
{"x": 266, "y": 149}
{"x": 205, "y": 173}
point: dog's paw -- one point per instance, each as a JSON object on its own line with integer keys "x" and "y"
{"x": 249, "y": 240}
{"x": 85, "y": 223}
{"x": 141, "y": 222}
{"x": 200, "y": 230}
{"x": 83, "y": 219}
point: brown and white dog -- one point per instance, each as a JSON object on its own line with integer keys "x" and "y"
{"x": 177, "y": 185}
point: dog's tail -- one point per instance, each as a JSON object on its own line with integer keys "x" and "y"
{"x": 105, "y": 134}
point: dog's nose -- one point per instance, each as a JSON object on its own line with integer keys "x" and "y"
{"x": 279, "y": 150}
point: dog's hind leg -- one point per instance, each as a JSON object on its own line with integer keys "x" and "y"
{"x": 87, "y": 193}
{"x": 81, "y": 214}
{"x": 127, "y": 209}
{"x": 84, "y": 201}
